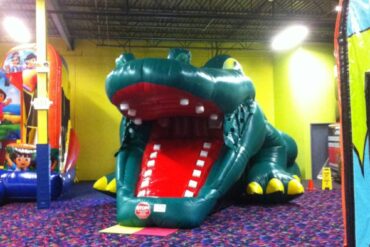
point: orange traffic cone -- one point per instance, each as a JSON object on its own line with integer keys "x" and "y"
{"x": 311, "y": 185}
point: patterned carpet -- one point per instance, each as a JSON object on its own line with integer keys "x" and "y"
{"x": 314, "y": 219}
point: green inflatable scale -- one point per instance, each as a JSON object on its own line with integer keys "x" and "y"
{"x": 192, "y": 137}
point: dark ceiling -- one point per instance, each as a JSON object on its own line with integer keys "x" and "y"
{"x": 237, "y": 23}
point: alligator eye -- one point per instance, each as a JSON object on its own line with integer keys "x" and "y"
{"x": 232, "y": 63}
{"x": 180, "y": 54}
{"x": 123, "y": 58}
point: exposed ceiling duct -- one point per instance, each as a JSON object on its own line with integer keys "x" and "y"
{"x": 237, "y": 23}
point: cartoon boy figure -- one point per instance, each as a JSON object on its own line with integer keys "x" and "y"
{"x": 19, "y": 157}
{"x": 3, "y": 102}
{"x": 20, "y": 161}
{"x": 30, "y": 61}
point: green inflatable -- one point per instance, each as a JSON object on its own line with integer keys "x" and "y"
{"x": 192, "y": 137}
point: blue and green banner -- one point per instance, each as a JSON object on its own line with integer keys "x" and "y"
{"x": 353, "y": 46}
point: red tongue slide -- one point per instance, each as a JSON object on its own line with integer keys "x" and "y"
{"x": 176, "y": 168}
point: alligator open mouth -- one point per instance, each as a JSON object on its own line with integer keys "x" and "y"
{"x": 179, "y": 153}
{"x": 185, "y": 140}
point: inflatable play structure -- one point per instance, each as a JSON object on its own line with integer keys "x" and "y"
{"x": 18, "y": 125}
{"x": 192, "y": 137}
{"x": 352, "y": 49}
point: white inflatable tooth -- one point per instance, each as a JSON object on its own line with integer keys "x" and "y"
{"x": 184, "y": 101}
{"x": 144, "y": 183}
{"x": 150, "y": 163}
{"x": 200, "y": 163}
{"x": 141, "y": 193}
{"x": 199, "y": 109}
{"x": 197, "y": 173}
{"x": 138, "y": 121}
{"x": 124, "y": 106}
{"x": 188, "y": 193}
{"x": 203, "y": 153}
{"x": 213, "y": 117}
{"x": 207, "y": 145}
{"x": 193, "y": 184}
{"x": 148, "y": 173}
{"x": 153, "y": 155}
{"x": 131, "y": 112}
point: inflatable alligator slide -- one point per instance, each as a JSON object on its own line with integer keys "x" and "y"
{"x": 191, "y": 137}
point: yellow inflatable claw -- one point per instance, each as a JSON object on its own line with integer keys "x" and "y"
{"x": 112, "y": 186}
{"x": 274, "y": 185}
{"x": 254, "y": 188}
{"x": 101, "y": 184}
{"x": 295, "y": 187}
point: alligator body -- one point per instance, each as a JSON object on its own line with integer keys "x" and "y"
{"x": 191, "y": 137}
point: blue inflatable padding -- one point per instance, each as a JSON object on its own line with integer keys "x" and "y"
{"x": 67, "y": 179}
{"x": 2, "y": 192}
{"x": 21, "y": 185}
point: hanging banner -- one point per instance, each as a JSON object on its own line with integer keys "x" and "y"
{"x": 10, "y": 107}
{"x": 352, "y": 43}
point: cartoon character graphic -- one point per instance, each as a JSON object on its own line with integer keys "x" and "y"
{"x": 15, "y": 63}
{"x": 30, "y": 61}
{"x": 3, "y": 102}
{"x": 22, "y": 161}
{"x": 19, "y": 157}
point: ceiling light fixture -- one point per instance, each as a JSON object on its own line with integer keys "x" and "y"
{"x": 17, "y": 30}
{"x": 289, "y": 38}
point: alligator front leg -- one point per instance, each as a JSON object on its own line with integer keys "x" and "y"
{"x": 272, "y": 174}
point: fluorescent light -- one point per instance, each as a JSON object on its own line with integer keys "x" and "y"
{"x": 289, "y": 37}
{"x": 17, "y": 30}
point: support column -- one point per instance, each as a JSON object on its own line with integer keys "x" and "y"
{"x": 41, "y": 104}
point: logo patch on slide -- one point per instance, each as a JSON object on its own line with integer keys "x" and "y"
{"x": 142, "y": 210}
